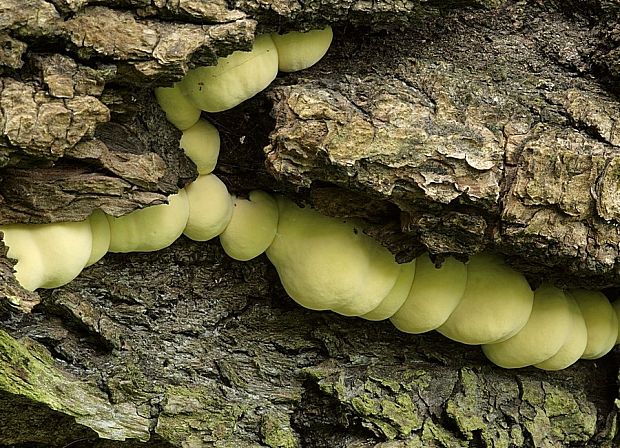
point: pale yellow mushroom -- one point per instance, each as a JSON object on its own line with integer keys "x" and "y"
{"x": 575, "y": 343}
{"x": 397, "y": 296}
{"x": 100, "y": 228}
{"x": 48, "y": 255}
{"x": 201, "y": 144}
{"x": 298, "y": 51}
{"x": 252, "y": 227}
{"x": 543, "y": 335}
{"x": 616, "y": 306}
{"x": 234, "y": 79}
{"x": 601, "y": 322}
{"x": 151, "y": 228}
{"x": 435, "y": 294}
{"x": 179, "y": 110}
{"x": 496, "y": 304}
{"x": 330, "y": 264}
{"x": 210, "y": 208}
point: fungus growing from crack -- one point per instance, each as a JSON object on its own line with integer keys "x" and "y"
{"x": 100, "y": 228}
{"x": 201, "y": 144}
{"x": 48, "y": 255}
{"x": 252, "y": 227}
{"x": 323, "y": 262}
{"x": 210, "y": 208}
{"x": 397, "y": 296}
{"x": 496, "y": 304}
{"x": 298, "y": 50}
{"x": 616, "y": 306}
{"x": 178, "y": 108}
{"x": 234, "y": 79}
{"x": 330, "y": 264}
{"x": 152, "y": 228}
{"x": 435, "y": 294}
{"x": 575, "y": 343}
{"x": 601, "y": 322}
{"x": 543, "y": 335}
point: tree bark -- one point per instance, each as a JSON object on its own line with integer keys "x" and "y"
{"x": 451, "y": 127}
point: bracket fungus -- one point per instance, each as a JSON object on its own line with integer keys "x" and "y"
{"x": 397, "y": 295}
{"x": 330, "y": 264}
{"x": 234, "y": 79}
{"x": 100, "y": 228}
{"x": 601, "y": 322}
{"x": 542, "y": 336}
{"x": 616, "y": 306}
{"x": 433, "y": 297}
{"x": 201, "y": 143}
{"x": 575, "y": 343}
{"x": 151, "y": 228}
{"x": 178, "y": 108}
{"x": 48, "y": 255}
{"x": 324, "y": 263}
{"x": 210, "y": 208}
{"x": 300, "y": 50}
{"x": 252, "y": 228}
{"x": 496, "y": 304}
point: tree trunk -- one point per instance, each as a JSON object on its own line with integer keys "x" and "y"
{"x": 450, "y": 126}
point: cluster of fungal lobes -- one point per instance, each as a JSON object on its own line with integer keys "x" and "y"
{"x": 324, "y": 263}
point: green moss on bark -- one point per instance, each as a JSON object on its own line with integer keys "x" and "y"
{"x": 27, "y": 370}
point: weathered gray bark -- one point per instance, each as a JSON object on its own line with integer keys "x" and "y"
{"x": 452, "y": 126}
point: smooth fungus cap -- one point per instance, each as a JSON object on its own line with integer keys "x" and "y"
{"x": 100, "y": 228}
{"x": 298, "y": 51}
{"x": 201, "y": 144}
{"x": 496, "y": 304}
{"x": 616, "y": 306}
{"x": 397, "y": 295}
{"x": 210, "y": 208}
{"x": 575, "y": 343}
{"x": 151, "y": 228}
{"x": 179, "y": 110}
{"x": 434, "y": 295}
{"x": 330, "y": 264}
{"x": 543, "y": 335}
{"x": 601, "y": 322}
{"x": 252, "y": 227}
{"x": 48, "y": 255}
{"x": 234, "y": 79}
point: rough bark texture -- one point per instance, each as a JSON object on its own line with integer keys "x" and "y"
{"x": 449, "y": 126}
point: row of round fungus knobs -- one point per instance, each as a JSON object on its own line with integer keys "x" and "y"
{"x": 51, "y": 255}
{"x": 330, "y": 264}
{"x": 323, "y": 263}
